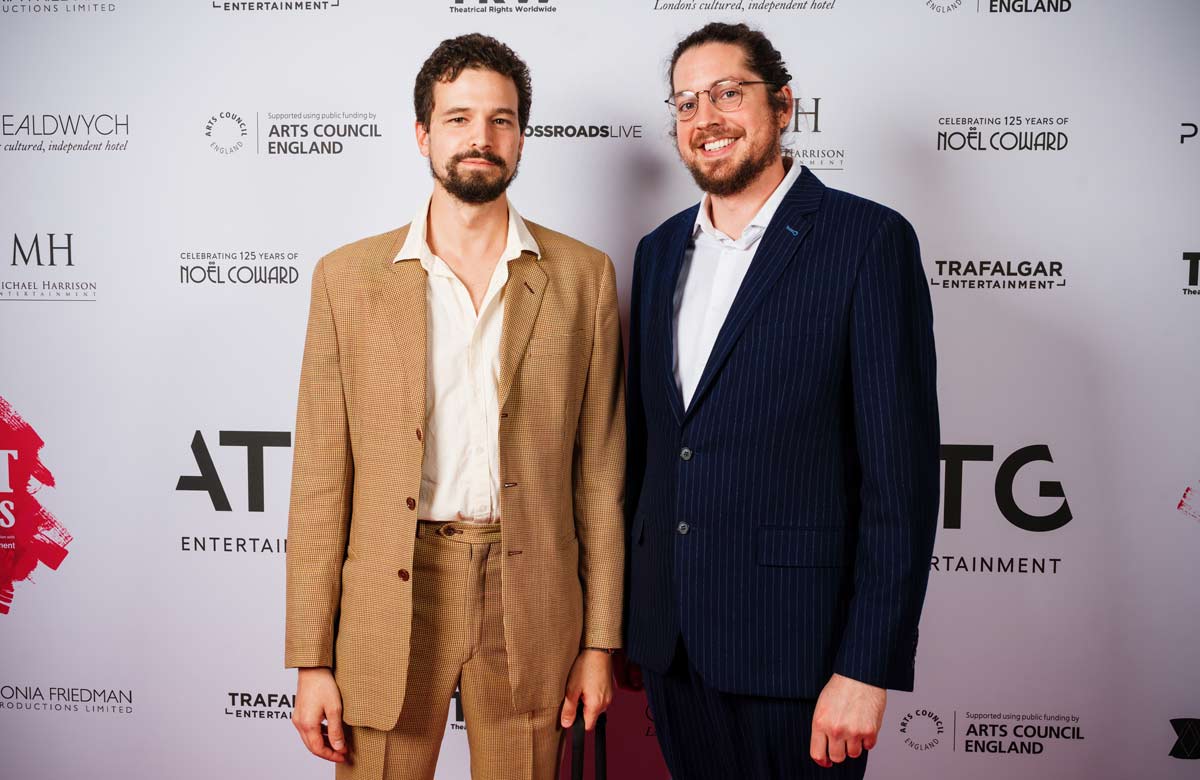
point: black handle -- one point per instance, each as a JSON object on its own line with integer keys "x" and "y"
{"x": 577, "y": 735}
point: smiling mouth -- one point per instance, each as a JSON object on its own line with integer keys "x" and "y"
{"x": 718, "y": 144}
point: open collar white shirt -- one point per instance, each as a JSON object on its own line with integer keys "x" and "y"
{"x": 714, "y": 266}
{"x": 460, "y": 474}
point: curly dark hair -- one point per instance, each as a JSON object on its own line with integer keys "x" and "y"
{"x": 761, "y": 56}
{"x": 454, "y": 55}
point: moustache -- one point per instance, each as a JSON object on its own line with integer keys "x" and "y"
{"x": 478, "y": 155}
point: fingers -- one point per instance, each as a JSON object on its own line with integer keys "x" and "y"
{"x": 854, "y": 747}
{"x": 568, "y": 709}
{"x": 818, "y": 748}
{"x": 313, "y": 732}
{"x": 337, "y": 738}
{"x": 314, "y": 740}
{"x": 837, "y": 749}
{"x": 591, "y": 711}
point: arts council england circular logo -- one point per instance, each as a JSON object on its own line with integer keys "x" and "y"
{"x": 226, "y": 132}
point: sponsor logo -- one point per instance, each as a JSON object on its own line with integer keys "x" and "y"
{"x": 1021, "y": 275}
{"x": 226, "y": 132}
{"x": 243, "y": 268}
{"x": 1187, "y": 746}
{"x": 955, "y": 456}
{"x": 260, "y": 706}
{"x": 292, "y": 133}
{"x": 503, "y": 6}
{"x": 1189, "y": 131}
{"x": 456, "y": 721}
{"x": 289, "y": 6}
{"x": 1016, "y": 733}
{"x": 209, "y": 481}
{"x": 1003, "y": 133}
{"x": 1193, "y": 273}
{"x": 23, "y": 7}
{"x": 1002, "y": 6}
{"x": 30, "y": 536}
{"x": 922, "y": 729}
{"x": 37, "y": 698}
{"x": 64, "y": 133}
{"x": 1189, "y": 502}
{"x": 585, "y": 131}
{"x": 809, "y": 145}
{"x": 42, "y": 267}
{"x": 765, "y": 6}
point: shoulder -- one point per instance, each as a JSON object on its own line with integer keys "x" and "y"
{"x": 862, "y": 216}
{"x": 360, "y": 256}
{"x": 662, "y": 235}
{"x": 566, "y": 254}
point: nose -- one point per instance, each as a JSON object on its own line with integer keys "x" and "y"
{"x": 481, "y": 135}
{"x": 706, "y": 111}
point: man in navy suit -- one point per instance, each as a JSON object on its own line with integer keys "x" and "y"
{"x": 782, "y": 484}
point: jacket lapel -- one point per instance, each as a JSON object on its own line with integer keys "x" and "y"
{"x": 522, "y": 300}
{"x": 402, "y": 296}
{"x": 663, "y": 309}
{"x": 779, "y": 244}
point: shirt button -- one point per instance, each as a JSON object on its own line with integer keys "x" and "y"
{"x": 682, "y": 528}
{"x": 403, "y": 575}
{"x": 411, "y": 503}
{"x": 686, "y": 454}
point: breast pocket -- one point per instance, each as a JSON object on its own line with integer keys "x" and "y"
{"x": 567, "y": 343}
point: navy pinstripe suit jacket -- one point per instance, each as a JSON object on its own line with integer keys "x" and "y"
{"x": 792, "y": 539}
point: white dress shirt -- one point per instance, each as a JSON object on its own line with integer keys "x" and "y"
{"x": 714, "y": 266}
{"x": 460, "y": 476}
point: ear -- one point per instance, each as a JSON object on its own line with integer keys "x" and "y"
{"x": 422, "y": 138}
{"x": 785, "y": 117}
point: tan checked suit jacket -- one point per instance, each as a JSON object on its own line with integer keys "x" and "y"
{"x": 357, "y": 471}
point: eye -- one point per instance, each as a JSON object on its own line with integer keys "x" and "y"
{"x": 457, "y": 119}
{"x": 502, "y": 121}
{"x": 728, "y": 94}
{"x": 686, "y": 105}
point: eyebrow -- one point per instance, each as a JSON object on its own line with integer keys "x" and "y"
{"x": 468, "y": 109}
{"x": 710, "y": 86}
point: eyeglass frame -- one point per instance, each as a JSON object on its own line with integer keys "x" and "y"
{"x": 675, "y": 110}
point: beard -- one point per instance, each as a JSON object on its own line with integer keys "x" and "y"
{"x": 477, "y": 186}
{"x": 742, "y": 174}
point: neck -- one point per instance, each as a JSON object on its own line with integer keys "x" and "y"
{"x": 731, "y": 213}
{"x": 466, "y": 232}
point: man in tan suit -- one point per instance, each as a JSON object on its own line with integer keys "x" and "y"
{"x": 456, "y": 495}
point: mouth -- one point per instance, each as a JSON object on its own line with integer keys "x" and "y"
{"x": 717, "y": 147}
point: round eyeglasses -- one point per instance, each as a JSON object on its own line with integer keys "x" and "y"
{"x": 725, "y": 95}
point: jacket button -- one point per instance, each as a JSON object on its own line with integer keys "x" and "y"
{"x": 411, "y": 503}
{"x": 682, "y": 528}
{"x": 420, "y": 436}
{"x": 686, "y": 454}
{"x": 403, "y": 574}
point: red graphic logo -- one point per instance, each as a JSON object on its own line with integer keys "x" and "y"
{"x": 1190, "y": 503}
{"x": 29, "y": 535}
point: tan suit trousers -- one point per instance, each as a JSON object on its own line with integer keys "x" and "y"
{"x": 458, "y": 640}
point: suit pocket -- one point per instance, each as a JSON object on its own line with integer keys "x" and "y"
{"x": 556, "y": 344}
{"x": 791, "y": 546}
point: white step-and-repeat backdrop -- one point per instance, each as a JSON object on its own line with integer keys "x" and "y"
{"x": 171, "y": 171}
